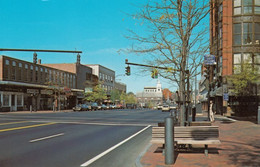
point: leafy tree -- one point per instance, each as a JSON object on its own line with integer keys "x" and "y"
{"x": 131, "y": 99}
{"x": 97, "y": 95}
{"x": 115, "y": 95}
{"x": 243, "y": 79}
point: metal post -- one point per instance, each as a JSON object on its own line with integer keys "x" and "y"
{"x": 169, "y": 140}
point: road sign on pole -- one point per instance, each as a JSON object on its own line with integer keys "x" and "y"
{"x": 225, "y": 97}
{"x": 209, "y": 60}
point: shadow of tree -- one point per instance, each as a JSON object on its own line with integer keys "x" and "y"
{"x": 243, "y": 154}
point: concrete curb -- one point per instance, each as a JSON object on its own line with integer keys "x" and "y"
{"x": 138, "y": 160}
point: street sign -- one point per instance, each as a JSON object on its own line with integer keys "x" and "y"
{"x": 225, "y": 97}
{"x": 209, "y": 60}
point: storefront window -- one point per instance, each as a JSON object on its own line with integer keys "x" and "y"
{"x": 19, "y": 100}
{"x": 5, "y": 100}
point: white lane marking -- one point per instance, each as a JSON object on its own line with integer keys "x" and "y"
{"x": 112, "y": 148}
{"x": 48, "y": 137}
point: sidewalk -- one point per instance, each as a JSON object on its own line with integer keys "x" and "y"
{"x": 240, "y": 147}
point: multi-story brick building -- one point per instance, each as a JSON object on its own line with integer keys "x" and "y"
{"x": 24, "y": 84}
{"x": 234, "y": 39}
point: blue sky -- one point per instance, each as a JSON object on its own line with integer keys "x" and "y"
{"x": 96, "y": 27}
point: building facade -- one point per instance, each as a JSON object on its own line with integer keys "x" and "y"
{"x": 105, "y": 75}
{"x": 26, "y": 85}
{"x": 234, "y": 40}
{"x": 150, "y": 95}
{"x": 121, "y": 87}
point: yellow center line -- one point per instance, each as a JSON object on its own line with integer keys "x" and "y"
{"x": 24, "y": 127}
{"x": 8, "y": 123}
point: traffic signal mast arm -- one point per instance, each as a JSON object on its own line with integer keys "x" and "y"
{"x": 158, "y": 67}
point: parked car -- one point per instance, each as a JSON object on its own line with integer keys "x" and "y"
{"x": 77, "y": 108}
{"x": 159, "y": 107}
{"x": 103, "y": 107}
{"x": 119, "y": 106}
{"x": 86, "y": 107}
{"x": 165, "y": 108}
{"x": 112, "y": 106}
{"x": 94, "y": 106}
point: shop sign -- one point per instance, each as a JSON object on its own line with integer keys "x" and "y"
{"x": 46, "y": 92}
{"x": 33, "y": 91}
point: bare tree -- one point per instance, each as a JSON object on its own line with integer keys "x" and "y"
{"x": 176, "y": 37}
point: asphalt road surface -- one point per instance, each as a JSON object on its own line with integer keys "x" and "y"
{"x": 73, "y": 139}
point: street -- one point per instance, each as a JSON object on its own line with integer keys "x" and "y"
{"x": 99, "y": 138}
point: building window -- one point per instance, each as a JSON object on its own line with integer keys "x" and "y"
{"x": 19, "y": 75}
{"x": 31, "y": 75}
{"x": 50, "y": 76}
{"x": 237, "y": 34}
{"x": 237, "y": 7}
{"x": 247, "y": 6}
{"x": 237, "y": 63}
{"x": 6, "y": 62}
{"x": 26, "y": 72}
{"x": 257, "y": 33}
{"x": 6, "y": 69}
{"x": 36, "y": 74}
{"x": 257, "y": 7}
{"x": 74, "y": 81}
{"x": 13, "y": 74}
{"x": 247, "y": 33}
{"x": 257, "y": 62}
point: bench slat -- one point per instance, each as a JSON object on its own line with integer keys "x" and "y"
{"x": 189, "y": 135}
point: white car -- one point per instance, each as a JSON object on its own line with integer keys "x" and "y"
{"x": 159, "y": 107}
{"x": 165, "y": 108}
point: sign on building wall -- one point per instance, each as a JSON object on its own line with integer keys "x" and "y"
{"x": 33, "y": 91}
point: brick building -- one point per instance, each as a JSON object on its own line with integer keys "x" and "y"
{"x": 234, "y": 39}
{"x": 24, "y": 84}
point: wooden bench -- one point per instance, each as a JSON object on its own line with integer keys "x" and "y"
{"x": 189, "y": 135}
{"x": 200, "y": 123}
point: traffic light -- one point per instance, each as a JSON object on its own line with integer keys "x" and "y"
{"x": 154, "y": 73}
{"x": 127, "y": 71}
{"x": 34, "y": 58}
